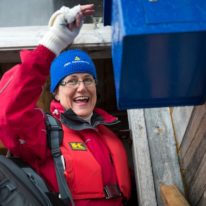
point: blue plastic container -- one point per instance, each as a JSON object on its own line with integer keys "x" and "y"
{"x": 158, "y": 52}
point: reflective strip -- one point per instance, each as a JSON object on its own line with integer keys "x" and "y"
{"x": 8, "y": 82}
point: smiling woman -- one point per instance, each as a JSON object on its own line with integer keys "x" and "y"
{"x": 96, "y": 165}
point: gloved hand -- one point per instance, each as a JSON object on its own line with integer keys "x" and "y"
{"x": 64, "y": 26}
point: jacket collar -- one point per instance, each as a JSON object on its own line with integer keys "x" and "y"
{"x": 72, "y": 121}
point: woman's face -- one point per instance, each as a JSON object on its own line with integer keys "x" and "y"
{"x": 78, "y": 92}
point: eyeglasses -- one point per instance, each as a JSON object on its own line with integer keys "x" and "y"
{"x": 74, "y": 83}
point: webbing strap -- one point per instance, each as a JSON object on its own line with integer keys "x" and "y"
{"x": 54, "y": 138}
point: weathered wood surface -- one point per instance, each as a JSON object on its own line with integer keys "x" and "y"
{"x": 192, "y": 156}
{"x": 95, "y": 39}
{"x": 202, "y": 201}
{"x": 141, "y": 158}
{"x": 194, "y": 144}
{"x": 198, "y": 184}
{"x": 196, "y": 152}
{"x": 163, "y": 151}
{"x": 196, "y": 118}
{"x": 180, "y": 118}
{"x": 171, "y": 196}
{"x": 29, "y": 36}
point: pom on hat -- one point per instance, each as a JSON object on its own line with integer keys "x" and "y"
{"x": 70, "y": 62}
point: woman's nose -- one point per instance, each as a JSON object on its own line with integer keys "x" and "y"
{"x": 81, "y": 85}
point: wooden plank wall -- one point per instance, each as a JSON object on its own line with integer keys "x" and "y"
{"x": 192, "y": 152}
{"x": 169, "y": 145}
{"x": 154, "y": 153}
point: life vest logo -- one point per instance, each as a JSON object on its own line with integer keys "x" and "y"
{"x": 77, "y": 58}
{"x": 78, "y": 146}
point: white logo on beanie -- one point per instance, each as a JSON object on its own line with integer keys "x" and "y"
{"x": 74, "y": 62}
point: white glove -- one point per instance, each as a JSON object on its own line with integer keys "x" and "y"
{"x": 59, "y": 36}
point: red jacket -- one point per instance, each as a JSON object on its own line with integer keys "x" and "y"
{"x": 88, "y": 153}
{"x": 22, "y": 124}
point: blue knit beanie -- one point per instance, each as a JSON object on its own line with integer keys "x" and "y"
{"x": 70, "y": 62}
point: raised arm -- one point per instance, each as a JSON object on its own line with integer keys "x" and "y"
{"x": 22, "y": 127}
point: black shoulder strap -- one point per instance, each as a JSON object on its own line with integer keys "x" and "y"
{"x": 54, "y": 139}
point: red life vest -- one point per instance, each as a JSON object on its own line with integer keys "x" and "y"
{"x": 83, "y": 173}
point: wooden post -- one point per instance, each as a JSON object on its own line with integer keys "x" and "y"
{"x": 141, "y": 158}
{"x": 180, "y": 118}
{"x": 163, "y": 149}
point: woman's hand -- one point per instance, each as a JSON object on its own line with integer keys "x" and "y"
{"x": 65, "y": 25}
{"x": 85, "y": 10}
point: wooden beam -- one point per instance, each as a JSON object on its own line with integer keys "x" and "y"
{"x": 141, "y": 157}
{"x": 95, "y": 39}
{"x": 165, "y": 165}
{"x": 180, "y": 119}
{"x": 171, "y": 196}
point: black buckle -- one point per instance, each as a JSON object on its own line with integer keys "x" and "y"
{"x": 56, "y": 152}
{"x": 112, "y": 191}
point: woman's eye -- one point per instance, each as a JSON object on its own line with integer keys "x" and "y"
{"x": 88, "y": 80}
{"x": 72, "y": 82}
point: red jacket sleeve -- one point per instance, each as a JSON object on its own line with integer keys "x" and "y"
{"x": 22, "y": 126}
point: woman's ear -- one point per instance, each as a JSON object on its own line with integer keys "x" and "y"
{"x": 56, "y": 95}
